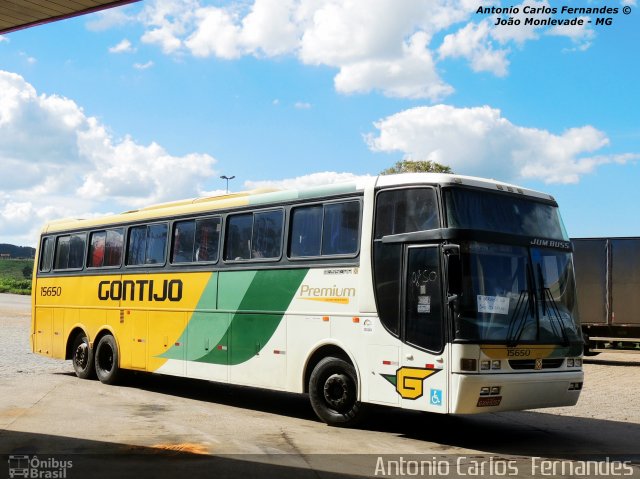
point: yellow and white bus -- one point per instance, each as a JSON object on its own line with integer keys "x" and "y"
{"x": 432, "y": 292}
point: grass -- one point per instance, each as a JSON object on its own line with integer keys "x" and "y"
{"x": 15, "y": 276}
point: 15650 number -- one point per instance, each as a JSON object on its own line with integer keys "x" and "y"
{"x": 50, "y": 291}
{"x": 518, "y": 352}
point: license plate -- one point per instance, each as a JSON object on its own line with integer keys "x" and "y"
{"x": 489, "y": 401}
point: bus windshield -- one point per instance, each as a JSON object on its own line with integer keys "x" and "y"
{"x": 514, "y": 295}
{"x": 502, "y": 213}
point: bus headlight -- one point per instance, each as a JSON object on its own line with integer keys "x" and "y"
{"x": 485, "y": 365}
{"x": 574, "y": 362}
{"x": 468, "y": 364}
{"x": 496, "y": 364}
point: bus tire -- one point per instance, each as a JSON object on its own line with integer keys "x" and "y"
{"x": 106, "y": 360}
{"x": 82, "y": 357}
{"x": 333, "y": 391}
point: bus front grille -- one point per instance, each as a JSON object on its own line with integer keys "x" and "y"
{"x": 531, "y": 363}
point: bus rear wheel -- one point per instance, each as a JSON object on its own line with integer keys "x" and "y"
{"x": 82, "y": 358}
{"x": 106, "y": 360}
{"x": 333, "y": 391}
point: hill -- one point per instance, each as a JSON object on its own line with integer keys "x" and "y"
{"x": 17, "y": 251}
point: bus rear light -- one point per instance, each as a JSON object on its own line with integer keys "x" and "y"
{"x": 468, "y": 364}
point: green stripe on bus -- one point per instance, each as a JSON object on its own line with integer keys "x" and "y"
{"x": 246, "y": 333}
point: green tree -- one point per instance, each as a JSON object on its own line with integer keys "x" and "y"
{"x": 27, "y": 271}
{"x": 408, "y": 166}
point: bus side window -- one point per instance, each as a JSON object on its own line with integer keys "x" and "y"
{"x": 238, "y": 241}
{"x": 207, "y": 239}
{"x": 405, "y": 211}
{"x": 46, "y": 254}
{"x": 147, "y": 245}
{"x": 105, "y": 248}
{"x": 156, "y": 243}
{"x": 76, "y": 251}
{"x": 69, "y": 252}
{"x": 114, "y": 244}
{"x": 96, "y": 249}
{"x": 306, "y": 231}
{"x": 324, "y": 230}
{"x": 340, "y": 228}
{"x": 266, "y": 239}
{"x": 183, "y": 241}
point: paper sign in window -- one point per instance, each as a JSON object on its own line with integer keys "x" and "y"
{"x": 493, "y": 304}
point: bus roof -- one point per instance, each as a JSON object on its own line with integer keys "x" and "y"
{"x": 275, "y": 196}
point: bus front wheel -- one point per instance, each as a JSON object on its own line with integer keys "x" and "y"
{"x": 106, "y": 360}
{"x": 333, "y": 391}
{"x": 83, "y": 357}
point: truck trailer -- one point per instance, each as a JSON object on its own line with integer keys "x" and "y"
{"x": 608, "y": 290}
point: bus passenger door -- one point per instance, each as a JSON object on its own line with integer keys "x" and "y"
{"x": 422, "y": 377}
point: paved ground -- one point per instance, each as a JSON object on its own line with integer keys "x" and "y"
{"x": 154, "y": 426}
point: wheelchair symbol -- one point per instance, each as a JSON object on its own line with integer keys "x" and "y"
{"x": 436, "y": 397}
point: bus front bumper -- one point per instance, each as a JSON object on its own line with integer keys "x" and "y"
{"x": 511, "y": 392}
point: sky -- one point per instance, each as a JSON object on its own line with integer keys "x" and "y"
{"x": 154, "y": 101}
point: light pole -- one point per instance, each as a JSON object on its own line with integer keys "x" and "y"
{"x": 227, "y": 178}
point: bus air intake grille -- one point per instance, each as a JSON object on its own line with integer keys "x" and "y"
{"x": 531, "y": 363}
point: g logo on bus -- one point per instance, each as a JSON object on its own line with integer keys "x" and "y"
{"x": 409, "y": 382}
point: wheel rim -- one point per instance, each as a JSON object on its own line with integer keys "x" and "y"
{"x": 338, "y": 392}
{"x": 105, "y": 358}
{"x": 81, "y": 356}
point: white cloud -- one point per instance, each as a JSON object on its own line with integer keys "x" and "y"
{"x": 301, "y": 105}
{"x": 143, "y": 66}
{"x": 109, "y": 18}
{"x": 375, "y": 45}
{"x": 305, "y": 181}
{"x": 480, "y": 141}
{"x": 216, "y": 35}
{"x": 378, "y": 45}
{"x": 123, "y": 47}
{"x": 3, "y": 39}
{"x": 58, "y": 162}
{"x": 412, "y": 76}
{"x": 580, "y": 35}
{"x": 486, "y": 45}
{"x": 473, "y": 42}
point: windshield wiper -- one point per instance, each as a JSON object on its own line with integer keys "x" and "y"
{"x": 550, "y": 309}
{"x": 519, "y": 317}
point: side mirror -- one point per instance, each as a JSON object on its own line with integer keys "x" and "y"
{"x": 454, "y": 271}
